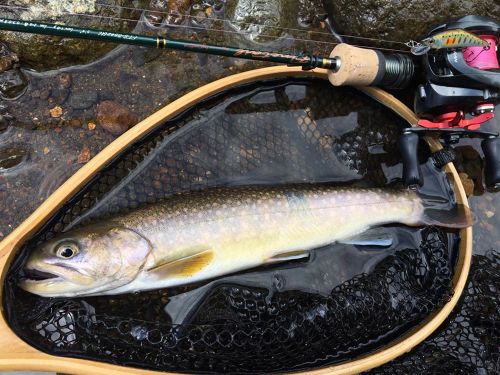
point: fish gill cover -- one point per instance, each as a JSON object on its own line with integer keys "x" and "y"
{"x": 262, "y": 320}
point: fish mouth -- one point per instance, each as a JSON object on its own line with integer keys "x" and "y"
{"x": 34, "y": 275}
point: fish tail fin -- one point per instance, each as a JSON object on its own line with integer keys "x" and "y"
{"x": 460, "y": 216}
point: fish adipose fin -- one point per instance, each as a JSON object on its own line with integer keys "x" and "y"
{"x": 291, "y": 255}
{"x": 371, "y": 237}
{"x": 184, "y": 267}
{"x": 459, "y": 216}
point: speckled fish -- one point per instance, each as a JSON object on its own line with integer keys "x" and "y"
{"x": 456, "y": 38}
{"x": 199, "y": 236}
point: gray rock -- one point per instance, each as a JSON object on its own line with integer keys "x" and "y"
{"x": 401, "y": 20}
{"x": 258, "y": 20}
{"x": 12, "y": 83}
{"x": 48, "y": 52}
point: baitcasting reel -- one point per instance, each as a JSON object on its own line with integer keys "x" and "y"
{"x": 461, "y": 81}
{"x": 461, "y": 90}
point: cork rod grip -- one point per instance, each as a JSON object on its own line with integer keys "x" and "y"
{"x": 358, "y": 66}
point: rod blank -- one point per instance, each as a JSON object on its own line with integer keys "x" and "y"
{"x": 306, "y": 61}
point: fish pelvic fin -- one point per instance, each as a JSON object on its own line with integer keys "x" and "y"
{"x": 183, "y": 267}
{"x": 459, "y": 216}
{"x": 290, "y": 255}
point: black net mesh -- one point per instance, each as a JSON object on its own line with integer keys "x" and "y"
{"x": 469, "y": 341}
{"x": 291, "y": 131}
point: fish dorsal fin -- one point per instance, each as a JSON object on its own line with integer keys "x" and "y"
{"x": 183, "y": 267}
{"x": 291, "y": 255}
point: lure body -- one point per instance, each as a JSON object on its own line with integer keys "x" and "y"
{"x": 457, "y": 38}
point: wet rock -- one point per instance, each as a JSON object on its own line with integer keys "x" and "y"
{"x": 75, "y": 123}
{"x": 114, "y": 117}
{"x": 48, "y": 52}
{"x": 84, "y": 155}
{"x": 310, "y": 13}
{"x": 64, "y": 80}
{"x": 12, "y": 156}
{"x": 489, "y": 214}
{"x": 176, "y": 11}
{"x": 467, "y": 183}
{"x": 258, "y": 20}
{"x": 60, "y": 89}
{"x": 202, "y": 18}
{"x": 401, "y": 20}
{"x": 8, "y": 59}
{"x": 157, "y": 13}
{"x": 56, "y": 112}
{"x": 5, "y": 118}
{"x": 83, "y": 99}
{"x": 12, "y": 83}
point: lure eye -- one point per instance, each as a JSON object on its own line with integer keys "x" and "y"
{"x": 66, "y": 250}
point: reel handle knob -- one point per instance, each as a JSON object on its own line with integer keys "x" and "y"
{"x": 408, "y": 146}
{"x": 491, "y": 150}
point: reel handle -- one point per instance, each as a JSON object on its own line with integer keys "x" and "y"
{"x": 491, "y": 150}
{"x": 408, "y": 146}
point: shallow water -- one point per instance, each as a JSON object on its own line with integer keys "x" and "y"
{"x": 274, "y": 133}
{"x": 39, "y": 151}
{"x": 141, "y": 79}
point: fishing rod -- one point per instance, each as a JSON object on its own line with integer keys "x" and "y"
{"x": 454, "y": 85}
{"x": 348, "y": 65}
{"x": 306, "y": 61}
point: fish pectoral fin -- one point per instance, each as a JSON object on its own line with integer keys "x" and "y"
{"x": 371, "y": 237}
{"x": 291, "y": 255}
{"x": 183, "y": 267}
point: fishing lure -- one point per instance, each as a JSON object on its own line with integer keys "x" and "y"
{"x": 456, "y": 38}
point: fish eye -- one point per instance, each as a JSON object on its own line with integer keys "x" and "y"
{"x": 66, "y": 250}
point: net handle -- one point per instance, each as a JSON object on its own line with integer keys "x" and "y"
{"x": 15, "y": 354}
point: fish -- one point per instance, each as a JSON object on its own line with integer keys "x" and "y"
{"x": 198, "y": 236}
{"x": 456, "y": 38}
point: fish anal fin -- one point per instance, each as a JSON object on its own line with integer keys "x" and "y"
{"x": 290, "y": 255}
{"x": 183, "y": 267}
{"x": 372, "y": 237}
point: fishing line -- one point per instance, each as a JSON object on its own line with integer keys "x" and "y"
{"x": 28, "y": 9}
{"x": 201, "y": 28}
{"x": 255, "y": 24}
{"x": 205, "y": 29}
{"x": 175, "y": 26}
